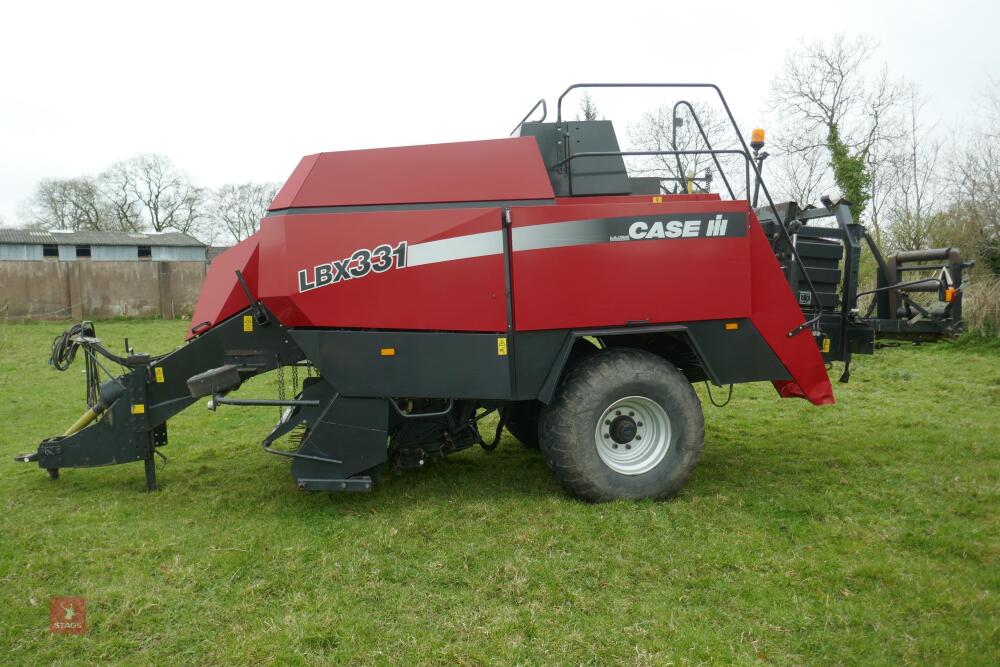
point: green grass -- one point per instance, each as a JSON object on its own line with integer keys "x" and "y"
{"x": 862, "y": 533}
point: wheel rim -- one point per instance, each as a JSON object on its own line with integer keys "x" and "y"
{"x": 633, "y": 435}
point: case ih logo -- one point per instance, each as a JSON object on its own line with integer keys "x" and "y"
{"x": 358, "y": 265}
{"x": 675, "y": 229}
{"x": 68, "y": 615}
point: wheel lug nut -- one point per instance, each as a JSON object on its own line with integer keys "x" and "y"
{"x": 607, "y": 435}
{"x": 628, "y": 446}
{"x": 639, "y": 424}
{"x": 615, "y": 446}
{"x": 638, "y": 437}
{"x": 608, "y": 422}
{"x": 631, "y": 414}
{"x": 618, "y": 412}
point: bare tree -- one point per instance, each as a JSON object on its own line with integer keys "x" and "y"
{"x": 240, "y": 206}
{"x": 117, "y": 187}
{"x": 800, "y": 176}
{"x": 991, "y": 99}
{"x": 655, "y": 131}
{"x": 827, "y": 102}
{"x": 881, "y": 187}
{"x": 974, "y": 180}
{"x": 71, "y": 203}
{"x": 917, "y": 186}
{"x": 148, "y": 192}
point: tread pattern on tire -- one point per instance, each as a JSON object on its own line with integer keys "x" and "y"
{"x": 566, "y": 426}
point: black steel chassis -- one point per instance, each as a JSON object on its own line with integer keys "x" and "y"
{"x": 135, "y": 425}
{"x": 363, "y": 409}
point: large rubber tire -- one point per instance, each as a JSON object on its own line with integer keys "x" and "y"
{"x": 522, "y": 416}
{"x": 569, "y": 434}
{"x": 522, "y": 422}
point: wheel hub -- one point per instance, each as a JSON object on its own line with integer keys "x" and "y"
{"x": 633, "y": 435}
{"x": 623, "y": 429}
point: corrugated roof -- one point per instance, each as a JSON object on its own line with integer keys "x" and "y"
{"x": 35, "y": 237}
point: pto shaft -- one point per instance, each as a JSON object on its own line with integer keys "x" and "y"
{"x": 108, "y": 393}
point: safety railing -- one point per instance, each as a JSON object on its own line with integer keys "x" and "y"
{"x": 704, "y": 138}
{"x": 545, "y": 114}
{"x": 745, "y": 152}
{"x": 568, "y": 161}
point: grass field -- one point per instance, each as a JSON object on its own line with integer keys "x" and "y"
{"x": 862, "y": 533}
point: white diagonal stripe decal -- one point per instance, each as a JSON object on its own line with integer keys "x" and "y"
{"x": 458, "y": 247}
{"x": 557, "y": 235}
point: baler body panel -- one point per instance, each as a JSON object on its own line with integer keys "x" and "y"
{"x": 221, "y": 294}
{"x": 568, "y": 276}
{"x": 344, "y": 250}
{"x": 447, "y": 273}
{"x": 492, "y": 170}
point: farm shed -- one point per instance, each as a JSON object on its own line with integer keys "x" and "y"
{"x": 28, "y": 244}
{"x": 54, "y": 274}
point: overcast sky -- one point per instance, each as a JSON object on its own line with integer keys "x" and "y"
{"x": 241, "y": 92}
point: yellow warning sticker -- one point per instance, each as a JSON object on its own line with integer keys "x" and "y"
{"x": 501, "y": 347}
{"x": 826, "y": 344}
{"x": 158, "y": 372}
{"x": 138, "y": 409}
{"x": 657, "y": 200}
{"x": 247, "y": 323}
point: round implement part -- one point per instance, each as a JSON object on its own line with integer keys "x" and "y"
{"x": 633, "y": 435}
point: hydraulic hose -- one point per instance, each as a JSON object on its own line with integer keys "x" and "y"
{"x": 66, "y": 344}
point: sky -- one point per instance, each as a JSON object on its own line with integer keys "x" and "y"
{"x": 241, "y": 91}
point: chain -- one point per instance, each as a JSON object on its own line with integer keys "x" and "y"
{"x": 281, "y": 387}
{"x": 281, "y": 383}
{"x": 295, "y": 380}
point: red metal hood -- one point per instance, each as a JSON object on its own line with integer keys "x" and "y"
{"x": 492, "y": 170}
{"x": 221, "y": 294}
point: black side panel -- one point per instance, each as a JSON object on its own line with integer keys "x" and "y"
{"x": 592, "y": 175}
{"x": 470, "y": 365}
{"x": 735, "y": 355}
{"x": 645, "y": 185}
{"x": 821, "y": 259}
{"x": 420, "y": 365}
{"x": 537, "y": 352}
